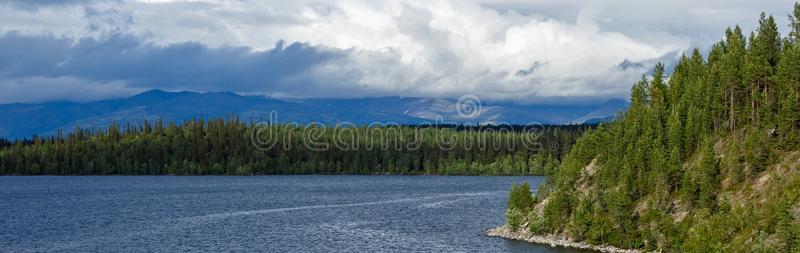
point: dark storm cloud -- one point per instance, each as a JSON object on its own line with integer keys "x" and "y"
{"x": 147, "y": 65}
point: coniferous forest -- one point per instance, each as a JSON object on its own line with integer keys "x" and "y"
{"x": 232, "y": 147}
{"x": 705, "y": 160}
{"x": 4, "y": 143}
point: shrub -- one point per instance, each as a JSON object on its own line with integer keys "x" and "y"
{"x": 520, "y": 197}
{"x": 514, "y": 218}
{"x": 537, "y": 224}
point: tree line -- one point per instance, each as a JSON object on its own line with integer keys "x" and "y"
{"x": 233, "y": 147}
{"x": 4, "y": 143}
{"x": 687, "y": 168}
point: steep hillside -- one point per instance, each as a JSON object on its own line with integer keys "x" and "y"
{"x": 704, "y": 162}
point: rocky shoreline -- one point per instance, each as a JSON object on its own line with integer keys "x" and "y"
{"x": 552, "y": 240}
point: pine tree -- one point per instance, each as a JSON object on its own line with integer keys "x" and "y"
{"x": 788, "y": 78}
{"x": 788, "y": 229}
{"x": 729, "y": 103}
{"x": 520, "y": 197}
{"x": 707, "y": 175}
{"x": 794, "y": 24}
{"x": 732, "y": 69}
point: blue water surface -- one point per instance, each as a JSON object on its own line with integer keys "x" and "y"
{"x": 256, "y": 213}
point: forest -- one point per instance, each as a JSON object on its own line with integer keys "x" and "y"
{"x": 705, "y": 160}
{"x": 233, "y": 147}
{"x": 4, "y": 143}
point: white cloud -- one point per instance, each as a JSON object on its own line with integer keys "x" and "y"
{"x": 512, "y": 50}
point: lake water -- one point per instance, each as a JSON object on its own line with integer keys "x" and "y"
{"x": 257, "y": 213}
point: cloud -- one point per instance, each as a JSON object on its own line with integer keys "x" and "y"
{"x": 700, "y": 21}
{"x": 64, "y": 88}
{"x": 33, "y": 5}
{"x": 500, "y": 50}
{"x": 138, "y": 64}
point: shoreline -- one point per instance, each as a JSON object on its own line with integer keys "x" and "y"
{"x": 552, "y": 240}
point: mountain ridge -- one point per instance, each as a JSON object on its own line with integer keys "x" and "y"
{"x": 23, "y": 120}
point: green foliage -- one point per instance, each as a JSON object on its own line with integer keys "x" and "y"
{"x": 733, "y": 162}
{"x": 557, "y": 210}
{"x": 5, "y": 143}
{"x": 714, "y": 232}
{"x": 794, "y": 24}
{"x": 227, "y": 147}
{"x": 581, "y": 219}
{"x": 537, "y": 224}
{"x": 757, "y": 149}
{"x": 788, "y": 78}
{"x": 520, "y": 197}
{"x": 702, "y": 181}
{"x": 788, "y": 228}
{"x": 514, "y": 218}
{"x": 696, "y": 164}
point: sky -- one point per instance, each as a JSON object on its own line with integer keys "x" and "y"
{"x": 539, "y": 51}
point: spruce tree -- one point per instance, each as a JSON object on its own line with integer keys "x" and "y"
{"x": 794, "y": 24}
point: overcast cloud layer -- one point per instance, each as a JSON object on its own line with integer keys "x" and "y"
{"x": 523, "y": 51}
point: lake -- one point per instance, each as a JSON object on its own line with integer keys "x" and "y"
{"x": 256, "y": 213}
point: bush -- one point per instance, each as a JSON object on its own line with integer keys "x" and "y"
{"x": 537, "y": 224}
{"x": 520, "y": 197}
{"x": 757, "y": 149}
{"x": 514, "y": 218}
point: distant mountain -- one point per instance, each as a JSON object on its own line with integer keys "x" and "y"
{"x": 25, "y": 120}
{"x": 604, "y": 112}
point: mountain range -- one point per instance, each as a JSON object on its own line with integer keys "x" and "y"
{"x": 23, "y": 120}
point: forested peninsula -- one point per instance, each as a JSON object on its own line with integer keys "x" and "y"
{"x": 705, "y": 160}
{"x": 234, "y": 147}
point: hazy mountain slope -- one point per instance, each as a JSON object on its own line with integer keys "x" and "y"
{"x": 25, "y": 120}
